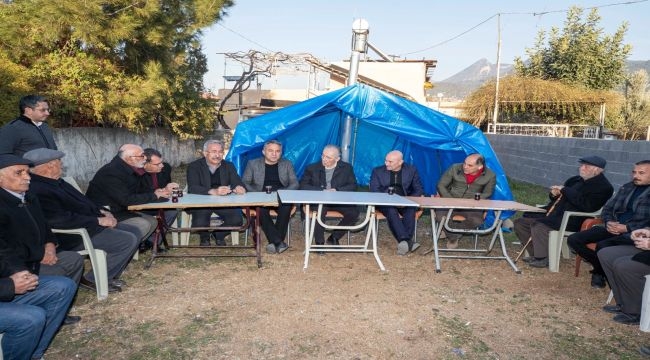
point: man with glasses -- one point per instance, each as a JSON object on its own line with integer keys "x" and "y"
{"x": 212, "y": 175}
{"x": 118, "y": 184}
{"x": 29, "y": 131}
{"x": 331, "y": 174}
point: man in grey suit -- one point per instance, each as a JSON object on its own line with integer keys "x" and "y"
{"x": 272, "y": 172}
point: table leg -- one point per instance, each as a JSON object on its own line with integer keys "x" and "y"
{"x": 307, "y": 235}
{"x": 256, "y": 237}
{"x": 160, "y": 228}
{"x": 372, "y": 228}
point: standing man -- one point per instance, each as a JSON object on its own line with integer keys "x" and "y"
{"x": 627, "y": 211}
{"x": 274, "y": 171}
{"x": 66, "y": 208}
{"x": 118, "y": 184}
{"x": 32, "y": 309}
{"x": 585, "y": 192}
{"x": 465, "y": 181}
{"x": 212, "y": 175}
{"x": 28, "y": 131}
{"x": 158, "y": 175}
{"x": 404, "y": 180}
{"x": 331, "y": 174}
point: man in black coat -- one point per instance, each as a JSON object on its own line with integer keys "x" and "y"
{"x": 212, "y": 175}
{"x": 118, "y": 184}
{"x": 30, "y": 130}
{"x": 331, "y": 174}
{"x": 587, "y": 192}
{"x": 67, "y": 208}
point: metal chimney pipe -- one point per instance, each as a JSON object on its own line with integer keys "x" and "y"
{"x": 360, "y": 30}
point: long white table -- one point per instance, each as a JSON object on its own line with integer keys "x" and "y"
{"x": 320, "y": 198}
{"x": 451, "y": 204}
{"x": 193, "y": 201}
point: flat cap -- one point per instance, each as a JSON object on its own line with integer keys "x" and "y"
{"x": 11, "y": 160}
{"x": 43, "y": 155}
{"x": 593, "y": 160}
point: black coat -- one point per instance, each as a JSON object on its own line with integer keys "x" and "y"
{"x": 23, "y": 232}
{"x": 164, "y": 177}
{"x": 578, "y": 195}
{"x": 65, "y": 207}
{"x": 198, "y": 176}
{"x": 343, "y": 178}
{"x": 7, "y": 288}
{"x": 117, "y": 186}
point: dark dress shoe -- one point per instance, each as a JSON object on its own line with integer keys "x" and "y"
{"x": 528, "y": 259}
{"x": 612, "y": 309}
{"x": 85, "y": 284}
{"x": 627, "y": 319}
{"x": 332, "y": 241}
{"x": 117, "y": 282}
{"x": 71, "y": 319}
{"x": 539, "y": 263}
{"x": 597, "y": 281}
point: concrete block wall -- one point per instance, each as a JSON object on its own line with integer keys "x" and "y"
{"x": 88, "y": 149}
{"x": 549, "y": 161}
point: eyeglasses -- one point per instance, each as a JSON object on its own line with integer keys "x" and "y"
{"x": 47, "y": 110}
{"x": 137, "y": 156}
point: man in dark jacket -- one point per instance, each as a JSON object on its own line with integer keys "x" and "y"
{"x": 405, "y": 181}
{"x": 331, "y": 174}
{"x": 586, "y": 192}
{"x": 118, "y": 184}
{"x": 627, "y": 211}
{"x": 66, "y": 208}
{"x": 212, "y": 175}
{"x": 28, "y": 131}
{"x": 466, "y": 180}
{"x": 32, "y": 309}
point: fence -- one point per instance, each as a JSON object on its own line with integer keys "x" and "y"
{"x": 545, "y": 130}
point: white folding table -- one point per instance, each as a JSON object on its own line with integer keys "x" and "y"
{"x": 451, "y": 204}
{"x": 320, "y": 198}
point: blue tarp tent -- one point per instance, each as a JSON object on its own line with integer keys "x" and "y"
{"x": 430, "y": 140}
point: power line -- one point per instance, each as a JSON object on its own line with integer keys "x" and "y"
{"x": 247, "y": 39}
{"x": 515, "y": 13}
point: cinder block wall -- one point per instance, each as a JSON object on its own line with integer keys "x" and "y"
{"x": 548, "y": 161}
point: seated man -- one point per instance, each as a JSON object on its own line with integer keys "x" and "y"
{"x": 66, "y": 208}
{"x": 274, "y": 171}
{"x": 118, "y": 185}
{"x": 331, "y": 174}
{"x": 586, "y": 192}
{"x": 158, "y": 176}
{"x": 212, "y": 175}
{"x": 627, "y": 211}
{"x": 32, "y": 309}
{"x": 405, "y": 181}
{"x": 626, "y": 267}
{"x": 25, "y": 236}
{"x": 464, "y": 181}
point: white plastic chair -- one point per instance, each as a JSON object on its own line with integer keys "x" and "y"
{"x": 97, "y": 260}
{"x": 557, "y": 244}
{"x": 644, "y": 323}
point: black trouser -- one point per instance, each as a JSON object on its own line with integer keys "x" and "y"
{"x": 275, "y": 232}
{"x": 350, "y": 215}
{"x": 599, "y": 235}
{"x": 230, "y": 217}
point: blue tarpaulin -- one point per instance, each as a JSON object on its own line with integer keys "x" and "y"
{"x": 430, "y": 140}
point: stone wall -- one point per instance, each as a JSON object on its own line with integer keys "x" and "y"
{"x": 548, "y": 161}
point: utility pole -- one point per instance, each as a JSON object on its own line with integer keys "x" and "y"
{"x": 360, "y": 30}
{"x": 495, "y": 114}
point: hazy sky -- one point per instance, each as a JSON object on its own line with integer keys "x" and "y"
{"x": 410, "y": 28}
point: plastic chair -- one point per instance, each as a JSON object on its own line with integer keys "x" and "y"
{"x": 644, "y": 323}
{"x": 586, "y": 225}
{"x": 557, "y": 244}
{"x": 274, "y": 215}
{"x": 380, "y": 216}
{"x": 97, "y": 260}
{"x": 329, "y": 215}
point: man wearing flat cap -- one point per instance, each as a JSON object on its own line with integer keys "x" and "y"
{"x": 586, "y": 192}
{"x": 627, "y": 211}
{"x": 26, "y": 241}
{"x": 67, "y": 208}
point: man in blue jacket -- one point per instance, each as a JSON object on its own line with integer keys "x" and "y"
{"x": 404, "y": 180}
{"x": 331, "y": 174}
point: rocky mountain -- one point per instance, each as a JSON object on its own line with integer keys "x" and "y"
{"x": 463, "y": 83}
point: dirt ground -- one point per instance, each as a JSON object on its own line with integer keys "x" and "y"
{"x": 344, "y": 307}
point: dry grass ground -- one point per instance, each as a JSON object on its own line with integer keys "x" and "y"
{"x": 343, "y": 307}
